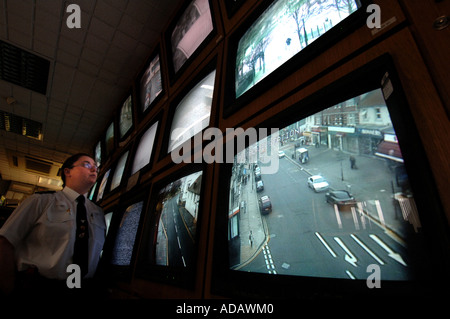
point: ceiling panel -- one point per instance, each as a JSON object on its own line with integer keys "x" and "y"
{"x": 91, "y": 69}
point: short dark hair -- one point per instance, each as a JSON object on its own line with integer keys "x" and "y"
{"x": 69, "y": 164}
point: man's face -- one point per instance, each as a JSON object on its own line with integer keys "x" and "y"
{"x": 83, "y": 171}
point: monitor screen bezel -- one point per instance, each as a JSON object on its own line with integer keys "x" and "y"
{"x": 183, "y": 277}
{"x": 436, "y": 235}
{"x": 232, "y": 7}
{"x": 326, "y": 41}
{"x": 175, "y": 75}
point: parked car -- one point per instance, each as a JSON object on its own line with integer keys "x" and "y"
{"x": 303, "y": 155}
{"x": 318, "y": 183}
{"x": 259, "y": 186}
{"x": 265, "y": 205}
{"x": 340, "y": 198}
{"x": 281, "y": 154}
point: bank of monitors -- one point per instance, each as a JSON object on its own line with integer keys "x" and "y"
{"x": 169, "y": 245}
{"x": 191, "y": 113}
{"x": 336, "y": 202}
{"x": 279, "y": 38}
{"x": 150, "y": 84}
{"x": 189, "y": 31}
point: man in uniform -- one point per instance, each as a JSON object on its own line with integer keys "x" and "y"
{"x": 48, "y": 232}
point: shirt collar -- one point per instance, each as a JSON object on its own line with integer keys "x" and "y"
{"x": 71, "y": 194}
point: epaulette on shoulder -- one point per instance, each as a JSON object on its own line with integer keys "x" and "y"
{"x": 45, "y": 192}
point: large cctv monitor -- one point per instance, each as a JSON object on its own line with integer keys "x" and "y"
{"x": 338, "y": 200}
{"x": 279, "y": 37}
{"x": 123, "y": 225}
{"x": 192, "y": 28}
{"x": 170, "y": 236}
{"x": 192, "y": 113}
{"x": 150, "y": 85}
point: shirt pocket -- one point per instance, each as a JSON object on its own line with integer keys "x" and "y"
{"x": 60, "y": 213}
{"x": 60, "y": 223}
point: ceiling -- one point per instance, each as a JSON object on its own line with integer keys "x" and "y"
{"x": 91, "y": 71}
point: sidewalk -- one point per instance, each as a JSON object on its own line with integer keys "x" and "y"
{"x": 252, "y": 227}
{"x": 372, "y": 184}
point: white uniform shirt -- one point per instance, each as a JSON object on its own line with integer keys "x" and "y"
{"x": 42, "y": 231}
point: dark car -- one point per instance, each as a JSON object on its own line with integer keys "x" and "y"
{"x": 265, "y": 206}
{"x": 340, "y": 198}
{"x": 258, "y": 174}
{"x": 259, "y": 186}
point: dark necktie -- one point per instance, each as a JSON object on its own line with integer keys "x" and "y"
{"x": 80, "y": 254}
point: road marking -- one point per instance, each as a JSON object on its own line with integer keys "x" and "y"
{"x": 350, "y": 274}
{"x": 380, "y": 212}
{"x": 367, "y": 249}
{"x": 269, "y": 261}
{"x": 355, "y": 218}
{"x": 360, "y": 211}
{"x": 349, "y": 257}
{"x": 338, "y": 217}
{"x": 325, "y": 244}
{"x": 390, "y": 252}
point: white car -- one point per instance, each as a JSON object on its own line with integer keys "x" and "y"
{"x": 281, "y": 154}
{"x": 318, "y": 183}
